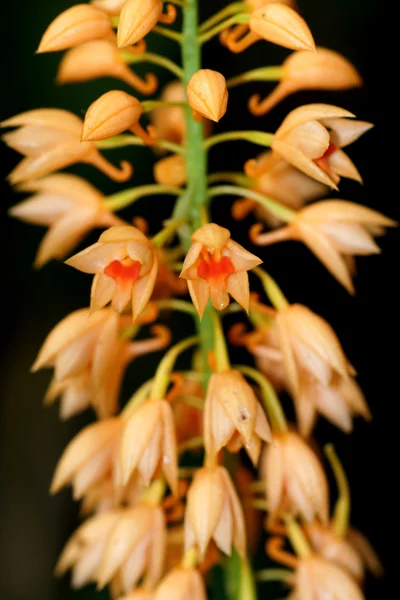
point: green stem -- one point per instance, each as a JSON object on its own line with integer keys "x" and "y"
{"x": 247, "y": 586}
{"x": 127, "y": 197}
{"x": 120, "y": 141}
{"x": 273, "y": 575}
{"x": 221, "y": 351}
{"x": 163, "y": 373}
{"x": 229, "y": 10}
{"x": 255, "y": 137}
{"x": 154, "y": 59}
{"x": 270, "y": 399}
{"x": 278, "y": 210}
{"x": 261, "y": 74}
{"x": 341, "y": 516}
{"x": 231, "y": 177}
{"x": 177, "y": 305}
{"x": 272, "y": 289}
{"x": 168, "y": 33}
{"x": 168, "y": 232}
{"x": 235, "y": 20}
{"x": 149, "y": 105}
{"x": 297, "y": 537}
{"x": 196, "y": 161}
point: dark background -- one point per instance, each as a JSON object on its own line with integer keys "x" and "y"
{"x": 33, "y": 526}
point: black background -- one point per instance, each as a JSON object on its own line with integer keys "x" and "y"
{"x": 33, "y": 526}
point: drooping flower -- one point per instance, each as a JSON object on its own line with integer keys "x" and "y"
{"x": 344, "y": 551}
{"x": 70, "y": 206}
{"x": 89, "y": 358}
{"x": 334, "y": 230}
{"x": 215, "y": 267}
{"x": 274, "y": 22}
{"x": 311, "y": 138}
{"x": 50, "y": 140}
{"x": 283, "y": 183}
{"x": 233, "y": 416}
{"x": 171, "y": 170}
{"x": 319, "y": 579}
{"x": 294, "y": 478}
{"x": 138, "y": 17}
{"x": 124, "y": 264}
{"x": 135, "y": 547}
{"x": 101, "y": 58}
{"x": 124, "y": 543}
{"x": 181, "y": 584}
{"x": 339, "y": 401}
{"x": 89, "y": 457}
{"x": 113, "y": 113}
{"x": 207, "y": 94}
{"x": 82, "y": 553}
{"x": 149, "y": 442}
{"x": 213, "y": 511}
{"x": 75, "y": 26}
{"x": 303, "y": 70}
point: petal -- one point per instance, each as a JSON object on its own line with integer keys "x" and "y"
{"x": 42, "y": 209}
{"x": 199, "y": 291}
{"x": 95, "y": 258}
{"x": 350, "y": 238}
{"x": 150, "y": 458}
{"x": 301, "y": 162}
{"x": 237, "y": 286}
{"x": 273, "y": 475}
{"x": 47, "y": 117}
{"x": 326, "y": 253}
{"x": 191, "y": 258}
{"x": 137, "y": 435}
{"x": 65, "y": 234}
{"x": 224, "y": 531}
{"x": 82, "y": 448}
{"x": 241, "y": 259}
{"x": 239, "y": 528}
{"x": 34, "y": 140}
{"x": 347, "y": 131}
{"x": 310, "y": 112}
{"x": 102, "y": 291}
{"x": 64, "y": 333}
{"x": 343, "y": 166}
{"x": 143, "y": 289}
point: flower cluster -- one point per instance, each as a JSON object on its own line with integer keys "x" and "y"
{"x": 163, "y": 479}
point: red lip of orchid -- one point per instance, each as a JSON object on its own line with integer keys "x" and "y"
{"x": 123, "y": 273}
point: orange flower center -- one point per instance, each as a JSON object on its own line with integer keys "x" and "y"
{"x": 215, "y": 269}
{"x": 124, "y": 272}
{"x": 323, "y": 160}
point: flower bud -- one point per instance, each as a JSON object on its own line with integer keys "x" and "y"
{"x": 111, "y": 114}
{"x": 75, "y": 26}
{"x": 294, "y": 478}
{"x": 317, "y": 578}
{"x": 100, "y": 58}
{"x": 213, "y": 511}
{"x": 207, "y": 94}
{"x": 303, "y": 70}
{"x": 281, "y": 25}
{"x": 171, "y": 170}
{"x": 137, "y": 19}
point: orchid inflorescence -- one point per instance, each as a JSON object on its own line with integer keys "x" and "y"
{"x": 155, "y": 526}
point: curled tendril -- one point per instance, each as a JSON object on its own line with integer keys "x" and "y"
{"x": 149, "y": 135}
{"x": 256, "y": 167}
{"x": 274, "y": 549}
{"x": 239, "y": 45}
{"x": 168, "y": 17}
{"x": 242, "y": 207}
{"x": 146, "y": 86}
{"x": 100, "y": 162}
{"x": 139, "y": 48}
